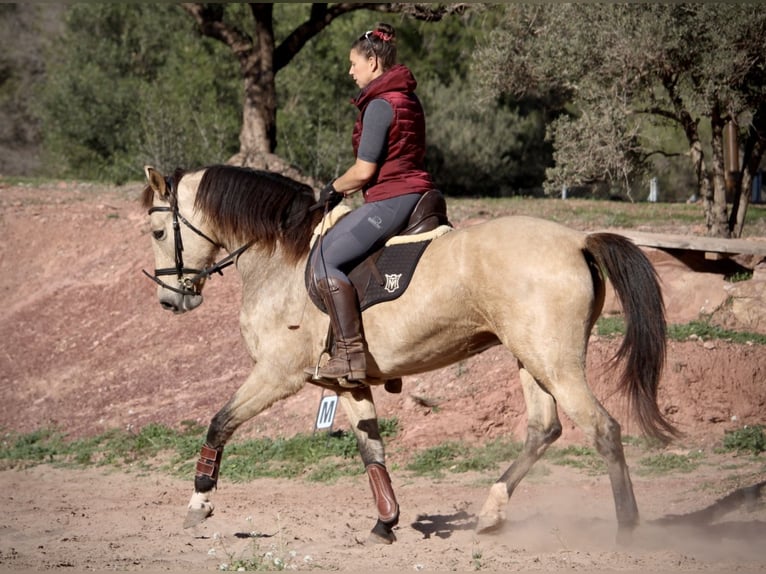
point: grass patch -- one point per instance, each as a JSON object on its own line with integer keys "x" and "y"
{"x": 705, "y": 330}
{"x": 583, "y": 458}
{"x": 321, "y": 457}
{"x": 458, "y": 457}
{"x": 702, "y": 329}
{"x": 613, "y": 326}
{"x": 748, "y": 439}
{"x": 739, "y": 276}
{"x": 666, "y": 463}
{"x": 114, "y": 448}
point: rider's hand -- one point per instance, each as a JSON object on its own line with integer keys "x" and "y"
{"x": 329, "y": 197}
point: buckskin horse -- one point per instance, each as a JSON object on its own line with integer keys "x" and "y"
{"x": 535, "y": 286}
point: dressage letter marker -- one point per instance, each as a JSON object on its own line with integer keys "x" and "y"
{"x": 326, "y": 412}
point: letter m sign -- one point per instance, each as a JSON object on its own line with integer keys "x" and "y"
{"x": 326, "y": 412}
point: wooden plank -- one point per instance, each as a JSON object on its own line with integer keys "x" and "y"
{"x": 695, "y": 243}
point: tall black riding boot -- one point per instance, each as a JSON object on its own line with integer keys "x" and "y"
{"x": 349, "y": 357}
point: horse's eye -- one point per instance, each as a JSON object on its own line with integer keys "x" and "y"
{"x": 159, "y": 234}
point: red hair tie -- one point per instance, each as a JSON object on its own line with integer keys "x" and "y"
{"x": 382, "y": 35}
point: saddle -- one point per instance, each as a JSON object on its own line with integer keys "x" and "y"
{"x": 385, "y": 274}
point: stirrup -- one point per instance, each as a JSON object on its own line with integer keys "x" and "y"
{"x": 346, "y": 384}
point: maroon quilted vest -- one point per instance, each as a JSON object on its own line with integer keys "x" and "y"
{"x": 403, "y": 170}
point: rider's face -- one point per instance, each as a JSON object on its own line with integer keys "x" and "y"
{"x": 363, "y": 69}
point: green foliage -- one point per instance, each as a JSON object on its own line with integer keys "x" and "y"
{"x": 134, "y": 84}
{"x": 113, "y": 448}
{"x": 666, "y": 463}
{"x": 292, "y": 457}
{"x": 482, "y": 149}
{"x": 703, "y": 329}
{"x": 457, "y": 457}
{"x": 740, "y": 276}
{"x": 320, "y": 457}
{"x": 612, "y": 326}
{"x": 314, "y": 114}
{"x": 25, "y": 31}
{"x": 706, "y": 330}
{"x": 120, "y": 92}
{"x": 39, "y": 446}
{"x": 485, "y": 148}
{"x": 583, "y": 458}
{"x": 748, "y": 439}
{"x": 669, "y": 67}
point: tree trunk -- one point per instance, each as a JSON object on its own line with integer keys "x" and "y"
{"x": 741, "y": 203}
{"x": 258, "y": 134}
{"x": 259, "y": 125}
{"x": 716, "y": 219}
{"x": 755, "y": 147}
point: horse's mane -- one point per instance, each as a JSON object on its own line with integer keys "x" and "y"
{"x": 253, "y": 205}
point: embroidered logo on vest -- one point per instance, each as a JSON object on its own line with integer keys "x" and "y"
{"x": 392, "y": 282}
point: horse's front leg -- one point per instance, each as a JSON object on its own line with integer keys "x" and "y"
{"x": 262, "y": 388}
{"x": 360, "y": 409}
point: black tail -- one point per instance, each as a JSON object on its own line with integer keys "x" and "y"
{"x": 644, "y": 346}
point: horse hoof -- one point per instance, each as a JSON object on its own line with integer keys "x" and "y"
{"x": 382, "y": 533}
{"x": 488, "y": 524}
{"x": 376, "y": 538}
{"x": 624, "y": 537}
{"x": 196, "y": 516}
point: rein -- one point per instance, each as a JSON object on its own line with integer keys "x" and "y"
{"x": 188, "y": 285}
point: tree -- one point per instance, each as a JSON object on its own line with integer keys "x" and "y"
{"x": 130, "y": 84}
{"x": 119, "y": 92}
{"x": 26, "y": 32}
{"x": 261, "y": 58}
{"x": 631, "y": 67}
{"x": 478, "y": 148}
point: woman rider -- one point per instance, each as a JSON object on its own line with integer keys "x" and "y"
{"x": 389, "y": 145}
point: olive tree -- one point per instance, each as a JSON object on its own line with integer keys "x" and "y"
{"x": 628, "y": 68}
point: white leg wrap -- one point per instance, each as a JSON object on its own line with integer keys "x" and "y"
{"x": 201, "y": 501}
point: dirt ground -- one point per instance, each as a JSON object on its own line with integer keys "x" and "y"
{"x": 86, "y": 348}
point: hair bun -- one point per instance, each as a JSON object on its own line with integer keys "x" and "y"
{"x": 384, "y": 32}
{"x": 382, "y": 35}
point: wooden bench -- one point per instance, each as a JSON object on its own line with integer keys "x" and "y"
{"x": 715, "y": 246}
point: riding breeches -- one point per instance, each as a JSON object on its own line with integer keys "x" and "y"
{"x": 359, "y": 233}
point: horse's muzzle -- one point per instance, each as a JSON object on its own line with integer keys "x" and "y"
{"x": 178, "y": 303}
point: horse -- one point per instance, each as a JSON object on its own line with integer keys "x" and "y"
{"x": 535, "y": 286}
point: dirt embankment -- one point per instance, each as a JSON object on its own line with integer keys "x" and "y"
{"x": 86, "y": 348}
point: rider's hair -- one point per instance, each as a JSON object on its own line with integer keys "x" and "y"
{"x": 380, "y": 43}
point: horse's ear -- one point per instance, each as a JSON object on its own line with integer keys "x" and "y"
{"x": 156, "y": 181}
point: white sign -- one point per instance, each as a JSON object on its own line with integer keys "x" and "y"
{"x": 326, "y": 412}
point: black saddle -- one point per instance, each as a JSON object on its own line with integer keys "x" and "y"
{"x": 385, "y": 274}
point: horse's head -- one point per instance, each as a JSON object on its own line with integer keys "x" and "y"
{"x": 182, "y": 248}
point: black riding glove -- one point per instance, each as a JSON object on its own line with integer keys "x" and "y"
{"x": 329, "y": 196}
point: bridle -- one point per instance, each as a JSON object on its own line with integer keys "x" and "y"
{"x": 187, "y": 285}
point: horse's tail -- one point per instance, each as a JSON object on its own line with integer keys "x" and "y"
{"x": 644, "y": 347}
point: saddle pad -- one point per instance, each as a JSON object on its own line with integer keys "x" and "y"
{"x": 383, "y": 276}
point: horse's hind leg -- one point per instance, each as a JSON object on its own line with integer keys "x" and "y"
{"x": 543, "y": 428}
{"x": 360, "y": 409}
{"x": 604, "y": 433}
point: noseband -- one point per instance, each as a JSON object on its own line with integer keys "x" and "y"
{"x": 187, "y": 285}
